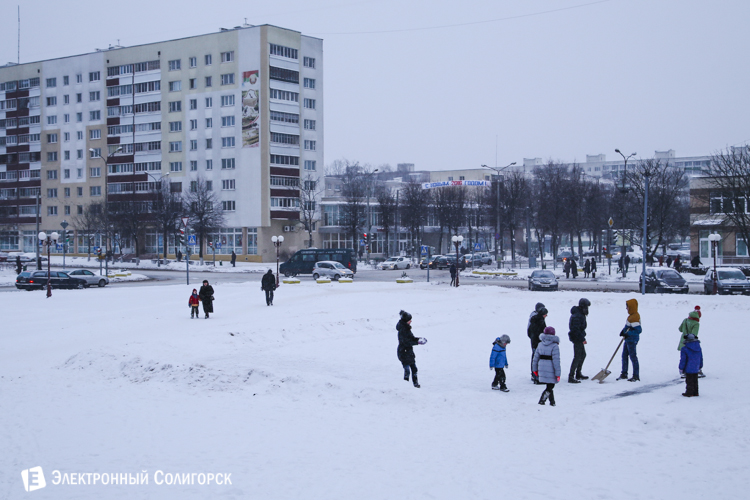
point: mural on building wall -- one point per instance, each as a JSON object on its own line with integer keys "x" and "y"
{"x": 250, "y": 109}
{"x": 430, "y": 185}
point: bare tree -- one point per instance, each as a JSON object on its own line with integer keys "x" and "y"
{"x": 514, "y": 194}
{"x": 551, "y": 212}
{"x": 309, "y": 212}
{"x": 414, "y": 213}
{"x": 354, "y": 191}
{"x": 168, "y": 208}
{"x": 728, "y": 180}
{"x": 205, "y": 211}
{"x": 90, "y": 222}
{"x": 387, "y": 207}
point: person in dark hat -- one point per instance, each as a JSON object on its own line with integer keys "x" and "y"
{"x": 535, "y": 328}
{"x": 499, "y": 362}
{"x": 268, "y": 285}
{"x": 577, "y": 335}
{"x": 406, "y": 343}
{"x": 206, "y": 294}
{"x": 691, "y": 363}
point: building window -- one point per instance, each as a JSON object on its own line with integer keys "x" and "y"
{"x": 192, "y": 83}
{"x": 227, "y": 121}
{"x": 95, "y": 153}
{"x": 66, "y": 99}
{"x": 290, "y": 139}
{"x": 209, "y": 185}
{"x": 209, "y": 122}
{"x": 79, "y": 190}
{"x": 227, "y": 142}
{"x": 209, "y": 143}
{"x": 79, "y": 209}
{"x": 309, "y": 62}
{"x": 95, "y": 96}
{"x": 227, "y": 100}
{"x": 79, "y": 78}
{"x": 95, "y": 76}
{"x": 66, "y": 156}
{"x": 175, "y": 166}
{"x": 66, "y": 136}
{"x": 310, "y": 145}
{"x": 280, "y": 50}
{"x": 95, "y": 191}
{"x": 67, "y": 210}
{"x": 193, "y": 124}
{"x": 284, "y": 95}
{"x": 279, "y": 116}
{"x": 66, "y": 80}
{"x": 51, "y": 174}
{"x": 52, "y": 120}
{"x": 209, "y": 164}
{"x": 79, "y": 117}
{"x": 227, "y": 56}
{"x": 309, "y": 164}
{"x": 175, "y": 106}
{"x": 193, "y": 165}
{"x": 51, "y": 138}
{"x": 309, "y": 124}
{"x": 175, "y": 147}
{"x": 227, "y": 79}
{"x": 175, "y": 126}
{"x": 67, "y": 192}
{"x": 227, "y": 185}
{"x": 174, "y": 65}
{"x": 193, "y": 144}
{"x": 227, "y": 163}
{"x": 284, "y": 75}
{"x": 52, "y": 156}
{"x": 310, "y": 103}
{"x": 175, "y": 86}
{"x": 208, "y": 81}
{"x": 79, "y": 156}
{"x": 66, "y": 118}
{"x": 207, "y": 59}
{"x": 52, "y": 193}
{"x": 227, "y": 206}
{"x": 741, "y": 246}
{"x": 284, "y": 202}
{"x": 95, "y": 115}
{"x": 52, "y": 101}
{"x": 209, "y": 102}
{"x": 285, "y": 160}
{"x": 95, "y": 134}
{"x": 79, "y": 97}
{"x": 51, "y": 82}
{"x": 95, "y": 172}
{"x": 193, "y": 61}
{"x": 79, "y": 135}
{"x": 51, "y": 210}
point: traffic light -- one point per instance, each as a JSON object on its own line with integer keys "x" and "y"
{"x": 182, "y": 236}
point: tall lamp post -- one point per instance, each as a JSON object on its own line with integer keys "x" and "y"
{"x": 64, "y": 225}
{"x": 369, "y": 214}
{"x": 277, "y": 241}
{"x": 715, "y": 238}
{"x": 457, "y": 239}
{"x": 623, "y": 191}
{"x": 105, "y": 208}
{"x": 163, "y": 243}
{"x": 497, "y": 207}
{"x": 48, "y": 240}
{"x": 644, "y": 243}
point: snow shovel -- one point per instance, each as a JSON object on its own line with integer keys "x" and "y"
{"x": 605, "y": 372}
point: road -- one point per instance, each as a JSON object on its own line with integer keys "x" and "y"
{"x": 158, "y": 277}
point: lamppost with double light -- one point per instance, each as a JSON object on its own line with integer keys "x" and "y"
{"x": 715, "y": 238}
{"x": 48, "y": 240}
{"x": 64, "y": 225}
{"x": 623, "y": 191}
{"x": 164, "y": 242}
{"x": 277, "y": 241}
{"x": 497, "y": 207}
{"x": 105, "y": 208}
{"x": 369, "y": 213}
{"x": 457, "y": 239}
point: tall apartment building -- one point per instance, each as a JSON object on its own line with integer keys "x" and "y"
{"x": 241, "y": 110}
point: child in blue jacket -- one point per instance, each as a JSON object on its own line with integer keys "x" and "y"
{"x": 498, "y": 362}
{"x": 691, "y": 363}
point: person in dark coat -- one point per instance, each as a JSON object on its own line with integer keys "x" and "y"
{"x": 406, "y": 343}
{"x": 536, "y": 327}
{"x": 627, "y": 262}
{"x": 669, "y": 261}
{"x": 593, "y": 267}
{"x": 546, "y": 364}
{"x": 661, "y": 260}
{"x": 566, "y": 269}
{"x": 179, "y": 255}
{"x": 620, "y": 265}
{"x": 586, "y": 268}
{"x": 691, "y": 363}
{"x": 499, "y": 362}
{"x": 234, "y": 258}
{"x": 650, "y": 260}
{"x": 268, "y": 285}
{"x": 577, "y": 335}
{"x": 696, "y": 261}
{"x": 206, "y": 294}
{"x": 19, "y": 266}
{"x": 453, "y": 274}
{"x": 632, "y": 333}
{"x": 677, "y": 263}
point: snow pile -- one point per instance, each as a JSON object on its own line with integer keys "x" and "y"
{"x": 306, "y": 399}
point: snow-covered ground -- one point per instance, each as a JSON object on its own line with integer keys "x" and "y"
{"x": 306, "y": 399}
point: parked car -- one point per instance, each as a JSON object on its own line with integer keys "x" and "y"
{"x": 30, "y": 280}
{"x": 731, "y": 281}
{"x": 543, "y": 280}
{"x": 486, "y": 258}
{"x": 91, "y": 278}
{"x": 393, "y": 263}
{"x": 476, "y": 258}
{"x": 566, "y": 255}
{"x": 432, "y": 262}
{"x": 4, "y": 257}
{"x": 663, "y": 280}
{"x": 331, "y": 269}
{"x": 441, "y": 262}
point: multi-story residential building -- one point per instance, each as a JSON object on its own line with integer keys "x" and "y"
{"x": 240, "y": 111}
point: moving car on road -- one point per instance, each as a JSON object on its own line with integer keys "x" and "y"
{"x": 542, "y": 279}
{"x": 731, "y": 281}
{"x": 89, "y": 277}
{"x": 331, "y": 269}
{"x": 393, "y": 263}
{"x": 663, "y": 280}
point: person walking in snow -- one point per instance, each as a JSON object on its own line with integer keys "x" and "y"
{"x": 691, "y": 364}
{"x": 593, "y": 267}
{"x": 632, "y": 333}
{"x": 535, "y": 328}
{"x": 234, "y": 258}
{"x": 193, "y": 303}
{"x": 406, "y": 343}
{"x": 690, "y": 326}
{"x": 268, "y": 285}
{"x": 577, "y": 335}
{"x": 573, "y": 267}
{"x": 546, "y": 364}
{"x": 499, "y": 362}
{"x": 627, "y": 263}
{"x": 566, "y": 269}
{"x": 677, "y": 263}
{"x": 586, "y": 268}
{"x": 669, "y": 261}
{"x": 453, "y": 274}
{"x": 206, "y": 293}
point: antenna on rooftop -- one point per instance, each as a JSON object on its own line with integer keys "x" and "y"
{"x": 19, "y": 34}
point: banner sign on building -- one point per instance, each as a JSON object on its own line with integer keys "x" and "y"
{"x": 250, "y": 109}
{"x": 430, "y": 185}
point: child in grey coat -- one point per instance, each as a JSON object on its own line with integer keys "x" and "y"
{"x": 546, "y": 364}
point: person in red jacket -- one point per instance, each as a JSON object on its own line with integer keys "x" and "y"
{"x": 193, "y": 303}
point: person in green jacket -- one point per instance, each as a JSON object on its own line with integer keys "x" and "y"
{"x": 690, "y": 325}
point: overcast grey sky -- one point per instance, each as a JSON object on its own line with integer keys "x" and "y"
{"x": 438, "y": 83}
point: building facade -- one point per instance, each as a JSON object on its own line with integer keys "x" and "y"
{"x": 240, "y": 110}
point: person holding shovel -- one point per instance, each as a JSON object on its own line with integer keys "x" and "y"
{"x": 632, "y": 333}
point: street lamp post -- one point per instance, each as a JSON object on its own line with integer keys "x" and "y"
{"x": 715, "y": 238}
{"x": 277, "y": 241}
{"x": 497, "y": 207}
{"x": 644, "y": 243}
{"x": 622, "y": 208}
{"x": 369, "y": 214}
{"x": 64, "y": 225}
{"x": 457, "y": 239}
{"x": 48, "y": 240}
{"x": 105, "y": 208}
{"x": 163, "y": 243}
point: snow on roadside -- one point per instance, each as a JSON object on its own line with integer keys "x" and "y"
{"x": 306, "y": 399}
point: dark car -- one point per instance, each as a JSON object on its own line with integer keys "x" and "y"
{"x": 566, "y": 255}
{"x": 432, "y": 262}
{"x": 303, "y": 261}
{"x": 441, "y": 262}
{"x": 543, "y": 280}
{"x": 462, "y": 263}
{"x": 663, "y": 280}
{"x": 30, "y": 280}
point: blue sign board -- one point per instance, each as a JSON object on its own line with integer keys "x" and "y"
{"x": 424, "y": 249}
{"x": 361, "y": 243}
{"x": 218, "y": 244}
{"x": 477, "y": 247}
{"x": 191, "y": 239}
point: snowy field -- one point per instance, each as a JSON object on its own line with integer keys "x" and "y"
{"x": 306, "y": 400}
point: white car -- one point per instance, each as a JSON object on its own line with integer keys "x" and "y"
{"x": 394, "y": 263}
{"x": 91, "y": 278}
{"x": 331, "y": 269}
